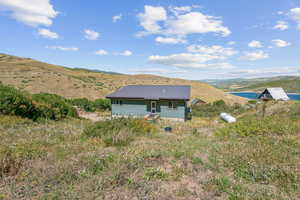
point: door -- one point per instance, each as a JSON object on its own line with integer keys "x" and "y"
{"x": 153, "y": 106}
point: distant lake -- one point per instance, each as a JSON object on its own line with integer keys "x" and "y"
{"x": 253, "y": 95}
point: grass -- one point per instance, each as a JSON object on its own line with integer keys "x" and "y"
{"x": 211, "y": 110}
{"x": 119, "y": 131}
{"x": 70, "y": 158}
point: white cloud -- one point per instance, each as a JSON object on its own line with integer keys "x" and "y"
{"x": 280, "y": 43}
{"x": 150, "y": 18}
{"x": 215, "y": 49}
{"x": 116, "y": 18}
{"x": 180, "y": 10}
{"x": 255, "y": 44}
{"x": 91, "y": 34}
{"x": 46, "y": 33}
{"x": 188, "y": 60}
{"x": 63, "y": 48}
{"x": 294, "y": 14}
{"x": 281, "y": 25}
{"x": 101, "y": 52}
{"x": 179, "y": 24}
{"x": 255, "y": 55}
{"x": 231, "y": 43}
{"x": 30, "y": 12}
{"x": 169, "y": 40}
{"x": 196, "y": 22}
{"x": 125, "y": 53}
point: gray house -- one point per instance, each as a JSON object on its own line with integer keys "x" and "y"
{"x": 167, "y": 101}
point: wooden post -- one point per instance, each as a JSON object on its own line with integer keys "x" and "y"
{"x": 264, "y": 108}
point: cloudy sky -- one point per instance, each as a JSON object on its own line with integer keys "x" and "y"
{"x": 192, "y": 39}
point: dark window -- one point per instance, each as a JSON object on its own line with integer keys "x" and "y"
{"x": 172, "y": 105}
{"x": 119, "y": 102}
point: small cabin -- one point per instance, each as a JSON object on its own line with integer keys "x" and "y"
{"x": 166, "y": 101}
{"x": 274, "y": 94}
{"x": 197, "y": 101}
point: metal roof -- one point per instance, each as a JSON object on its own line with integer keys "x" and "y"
{"x": 153, "y": 92}
{"x": 276, "y": 93}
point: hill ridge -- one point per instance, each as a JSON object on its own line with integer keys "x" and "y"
{"x": 35, "y": 77}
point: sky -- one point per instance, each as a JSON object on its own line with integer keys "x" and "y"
{"x": 190, "y": 39}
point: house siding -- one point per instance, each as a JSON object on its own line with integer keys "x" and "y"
{"x": 178, "y": 112}
{"x": 129, "y": 108}
{"x": 140, "y": 108}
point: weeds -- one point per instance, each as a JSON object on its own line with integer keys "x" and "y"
{"x": 251, "y": 126}
{"x": 119, "y": 132}
{"x": 155, "y": 173}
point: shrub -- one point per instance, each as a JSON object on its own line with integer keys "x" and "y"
{"x": 37, "y": 106}
{"x": 91, "y": 106}
{"x": 252, "y": 101}
{"x": 119, "y": 131}
{"x": 102, "y": 104}
{"x": 54, "y": 107}
{"x": 215, "y": 108}
{"x": 15, "y": 102}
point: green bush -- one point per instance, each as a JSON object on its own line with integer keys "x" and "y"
{"x": 52, "y": 106}
{"x": 215, "y": 108}
{"x": 102, "y": 104}
{"x": 119, "y": 131}
{"x": 91, "y": 106}
{"x": 84, "y": 103}
{"x": 37, "y": 106}
{"x": 252, "y": 101}
{"x": 15, "y": 102}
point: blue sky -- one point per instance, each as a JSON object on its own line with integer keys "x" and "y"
{"x": 191, "y": 39}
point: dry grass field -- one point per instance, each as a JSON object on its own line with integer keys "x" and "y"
{"x": 35, "y": 77}
{"x": 255, "y": 158}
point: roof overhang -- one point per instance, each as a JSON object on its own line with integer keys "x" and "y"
{"x": 138, "y": 98}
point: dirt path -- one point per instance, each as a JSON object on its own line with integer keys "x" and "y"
{"x": 93, "y": 116}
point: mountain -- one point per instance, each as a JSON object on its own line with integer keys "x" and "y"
{"x": 35, "y": 77}
{"x": 290, "y": 84}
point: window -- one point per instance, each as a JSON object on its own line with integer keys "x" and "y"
{"x": 119, "y": 102}
{"x": 172, "y": 105}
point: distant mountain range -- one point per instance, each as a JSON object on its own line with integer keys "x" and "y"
{"x": 290, "y": 84}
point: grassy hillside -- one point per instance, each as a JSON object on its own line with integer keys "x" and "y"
{"x": 290, "y": 83}
{"x": 35, "y": 77}
{"x": 290, "y": 86}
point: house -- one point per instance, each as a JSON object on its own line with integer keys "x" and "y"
{"x": 273, "y": 94}
{"x": 167, "y": 101}
{"x": 197, "y": 101}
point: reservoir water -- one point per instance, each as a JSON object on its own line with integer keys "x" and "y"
{"x": 253, "y": 95}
